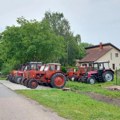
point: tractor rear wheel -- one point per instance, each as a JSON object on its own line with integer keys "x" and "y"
{"x": 58, "y": 80}
{"x": 32, "y": 84}
{"x": 108, "y": 76}
{"x": 17, "y": 79}
{"x": 91, "y": 80}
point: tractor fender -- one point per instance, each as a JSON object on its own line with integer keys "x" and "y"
{"x": 109, "y": 70}
{"x": 59, "y": 72}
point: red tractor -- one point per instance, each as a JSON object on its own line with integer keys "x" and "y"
{"x": 14, "y": 73}
{"x": 76, "y": 74}
{"x": 31, "y": 71}
{"x": 17, "y": 75}
{"x": 50, "y": 74}
{"x": 100, "y": 73}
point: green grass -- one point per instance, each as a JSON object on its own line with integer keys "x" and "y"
{"x": 74, "y": 106}
{"x": 2, "y": 78}
{"x": 97, "y": 88}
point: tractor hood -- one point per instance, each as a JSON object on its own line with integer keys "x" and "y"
{"x": 92, "y": 72}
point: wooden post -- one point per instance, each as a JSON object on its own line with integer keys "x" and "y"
{"x": 116, "y": 76}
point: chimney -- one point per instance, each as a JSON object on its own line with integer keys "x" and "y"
{"x": 101, "y": 45}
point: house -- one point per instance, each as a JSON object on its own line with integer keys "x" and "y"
{"x": 102, "y": 53}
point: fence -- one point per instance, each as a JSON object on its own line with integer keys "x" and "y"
{"x": 117, "y": 77}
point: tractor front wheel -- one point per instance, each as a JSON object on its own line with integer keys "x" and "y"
{"x": 18, "y": 79}
{"x": 13, "y": 79}
{"x": 10, "y": 78}
{"x": 91, "y": 80}
{"x": 58, "y": 80}
{"x": 26, "y": 83}
{"x": 74, "y": 78}
{"x": 22, "y": 81}
{"x": 32, "y": 84}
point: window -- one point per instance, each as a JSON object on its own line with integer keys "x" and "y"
{"x": 46, "y": 68}
{"x": 116, "y": 54}
{"x": 58, "y": 67}
{"x": 42, "y": 68}
{"x": 96, "y": 66}
{"x": 90, "y": 64}
{"x": 33, "y": 66}
{"x": 101, "y": 67}
{"x": 26, "y": 67}
{"x": 52, "y": 67}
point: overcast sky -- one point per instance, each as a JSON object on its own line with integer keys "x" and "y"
{"x": 95, "y": 20}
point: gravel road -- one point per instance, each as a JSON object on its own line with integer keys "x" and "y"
{"x": 17, "y": 107}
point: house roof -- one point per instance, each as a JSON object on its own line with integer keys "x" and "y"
{"x": 106, "y": 44}
{"x": 97, "y": 51}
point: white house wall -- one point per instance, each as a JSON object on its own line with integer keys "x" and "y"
{"x": 110, "y": 56}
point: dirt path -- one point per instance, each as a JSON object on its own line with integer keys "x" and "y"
{"x": 114, "y": 101}
{"x": 17, "y": 107}
{"x": 102, "y": 98}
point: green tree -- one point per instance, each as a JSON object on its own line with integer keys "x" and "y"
{"x": 82, "y": 50}
{"x": 49, "y": 40}
{"x": 30, "y": 41}
{"x": 61, "y": 27}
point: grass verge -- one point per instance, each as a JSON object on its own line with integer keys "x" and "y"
{"x": 2, "y": 78}
{"x": 73, "y": 106}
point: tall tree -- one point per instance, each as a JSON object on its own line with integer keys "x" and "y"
{"x": 61, "y": 27}
{"x": 82, "y": 50}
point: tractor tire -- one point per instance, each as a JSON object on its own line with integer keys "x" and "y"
{"x": 108, "y": 76}
{"x": 73, "y": 78}
{"x": 10, "y": 78}
{"x": 18, "y": 79}
{"x": 80, "y": 79}
{"x": 67, "y": 78}
{"x": 22, "y": 81}
{"x": 26, "y": 83}
{"x": 32, "y": 84}
{"x": 13, "y": 79}
{"x": 91, "y": 80}
{"x": 58, "y": 80}
{"x": 45, "y": 84}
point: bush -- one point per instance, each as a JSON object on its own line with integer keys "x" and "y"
{"x": 64, "y": 69}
